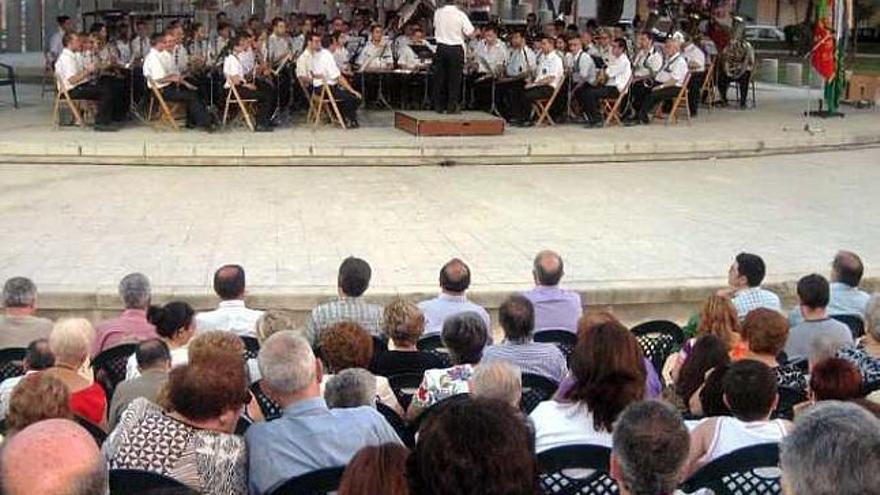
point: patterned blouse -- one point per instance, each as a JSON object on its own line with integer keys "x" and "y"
{"x": 441, "y": 384}
{"x": 790, "y": 376}
{"x": 869, "y": 366}
{"x": 207, "y": 461}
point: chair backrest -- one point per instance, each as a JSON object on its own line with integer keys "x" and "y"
{"x": 398, "y": 423}
{"x": 320, "y": 482}
{"x": 855, "y": 323}
{"x": 536, "y": 389}
{"x": 270, "y": 409}
{"x": 404, "y": 386}
{"x": 110, "y": 366}
{"x": 563, "y": 339}
{"x": 94, "y": 430}
{"x": 11, "y": 362}
{"x": 556, "y": 477}
{"x": 788, "y": 398}
{"x": 742, "y": 472}
{"x": 135, "y": 481}
{"x": 251, "y": 347}
{"x": 430, "y": 343}
{"x": 659, "y": 339}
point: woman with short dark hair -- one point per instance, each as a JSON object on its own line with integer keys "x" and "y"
{"x": 176, "y": 325}
{"x": 376, "y": 469}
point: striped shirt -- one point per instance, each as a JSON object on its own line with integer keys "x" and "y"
{"x": 537, "y": 358}
{"x": 355, "y": 309}
{"x": 754, "y": 298}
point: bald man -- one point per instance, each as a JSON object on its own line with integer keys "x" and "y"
{"x": 555, "y": 308}
{"x": 53, "y": 457}
{"x": 846, "y": 297}
{"x": 231, "y": 314}
{"x": 455, "y": 278}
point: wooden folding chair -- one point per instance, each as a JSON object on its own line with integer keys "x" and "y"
{"x": 680, "y": 103}
{"x": 46, "y": 85}
{"x": 708, "y": 87}
{"x": 61, "y": 94}
{"x": 542, "y": 106}
{"x": 326, "y": 105}
{"x": 166, "y": 114}
{"x": 311, "y": 97}
{"x": 612, "y": 110}
{"x": 243, "y": 106}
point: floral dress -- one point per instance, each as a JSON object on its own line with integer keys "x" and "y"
{"x": 441, "y": 384}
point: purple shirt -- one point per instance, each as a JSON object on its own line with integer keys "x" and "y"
{"x": 653, "y": 387}
{"x": 555, "y": 308}
{"x": 131, "y": 326}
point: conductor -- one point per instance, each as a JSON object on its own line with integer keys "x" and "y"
{"x": 451, "y": 27}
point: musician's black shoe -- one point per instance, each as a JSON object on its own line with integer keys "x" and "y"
{"x": 595, "y": 125}
{"x": 352, "y": 124}
{"x": 264, "y": 128}
{"x": 455, "y": 110}
{"x": 105, "y": 128}
{"x": 630, "y": 122}
{"x": 441, "y": 111}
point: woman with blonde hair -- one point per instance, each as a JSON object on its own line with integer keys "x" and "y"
{"x": 717, "y": 318}
{"x": 404, "y": 323}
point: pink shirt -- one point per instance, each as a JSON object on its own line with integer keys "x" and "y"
{"x": 130, "y": 326}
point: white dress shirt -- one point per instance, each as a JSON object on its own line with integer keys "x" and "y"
{"x": 520, "y": 61}
{"x": 675, "y": 68}
{"x": 342, "y": 57}
{"x": 140, "y": 47}
{"x": 407, "y": 58}
{"x": 583, "y": 68}
{"x": 451, "y": 26}
{"x": 647, "y": 63}
{"x": 490, "y": 58}
{"x": 55, "y": 45}
{"x": 304, "y": 64}
{"x": 123, "y": 52}
{"x": 156, "y": 67}
{"x": 618, "y": 71}
{"x": 276, "y": 48}
{"x": 231, "y": 316}
{"x": 550, "y": 65}
{"x": 67, "y": 66}
{"x": 695, "y": 57}
{"x": 374, "y": 57}
{"x": 324, "y": 68}
{"x": 232, "y": 67}
{"x": 181, "y": 59}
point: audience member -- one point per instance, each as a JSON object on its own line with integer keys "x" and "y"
{"x": 308, "y": 435}
{"x": 53, "y": 457}
{"x": 473, "y": 447}
{"x": 272, "y": 322}
{"x": 498, "y": 380}
{"x": 19, "y": 325}
{"x": 352, "y": 387}
{"x": 153, "y": 361}
{"x": 744, "y": 278}
{"x": 132, "y": 324}
{"x": 231, "y": 314}
{"x": 833, "y": 449}
{"x": 206, "y": 344}
{"x": 37, "y": 397}
{"x": 750, "y": 390}
{"x": 37, "y": 357}
{"x": 175, "y": 324}
{"x": 517, "y": 318}
{"x": 455, "y": 278}
{"x": 555, "y": 308}
{"x": 346, "y": 345}
{"x": 709, "y": 400}
{"x": 718, "y": 318}
{"x": 845, "y": 298}
{"x": 867, "y": 354}
{"x": 765, "y": 332}
{"x": 609, "y": 373}
{"x": 192, "y": 441}
{"x": 813, "y": 294}
{"x": 353, "y": 281}
{"x": 464, "y": 336}
{"x": 70, "y": 342}
{"x": 835, "y": 379}
{"x": 708, "y": 353}
{"x": 649, "y": 449}
{"x": 403, "y": 324}
{"x": 376, "y": 469}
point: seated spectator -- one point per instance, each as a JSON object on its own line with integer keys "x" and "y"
{"x": 832, "y": 450}
{"x": 846, "y": 298}
{"x": 464, "y": 336}
{"x": 377, "y": 469}
{"x": 205, "y": 344}
{"x": 231, "y": 314}
{"x": 717, "y": 317}
{"x": 866, "y": 355}
{"x": 555, "y": 308}
{"x": 353, "y": 281}
{"x": 750, "y": 390}
{"x": 352, "y": 387}
{"x": 708, "y": 353}
{"x": 70, "y": 342}
{"x": 192, "y": 441}
{"x": 649, "y": 449}
{"x": 39, "y": 396}
{"x": 475, "y": 446}
{"x": 346, "y": 345}
{"x": 455, "y": 278}
{"x": 498, "y": 380}
{"x": 709, "y": 400}
{"x": 132, "y": 324}
{"x": 272, "y": 322}
{"x": 765, "y": 332}
{"x": 813, "y": 296}
{"x": 403, "y": 324}
{"x": 19, "y": 325}
{"x": 38, "y": 357}
{"x": 744, "y": 278}
{"x": 835, "y": 379}
{"x": 53, "y": 457}
{"x": 517, "y": 319}
{"x": 308, "y": 436}
{"x": 175, "y": 324}
{"x": 153, "y": 361}
{"x": 609, "y": 373}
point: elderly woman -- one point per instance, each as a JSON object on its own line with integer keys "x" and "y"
{"x": 176, "y": 325}
{"x": 765, "y": 332}
{"x": 404, "y": 323}
{"x": 37, "y": 397}
{"x": 499, "y": 380}
{"x": 193, "y": 440}
{"x": 465, "y": 336}
{"x": 354, "y": 387}
{"x": 70, "y": 342}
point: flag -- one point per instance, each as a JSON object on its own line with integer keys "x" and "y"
{"x": 824, "y": 56}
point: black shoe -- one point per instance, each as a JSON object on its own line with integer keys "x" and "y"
{"x": 264, "y": 128}
{"x": 211, "y": 128}
{"x": 742, "y": 105}
{"x": 441, "y": 111}
{"x": 528, "y": 123}
{"x": 105, "y": 128}
{"x": 598, "y": 124}
{"x": 631, "y": 122}
{"x": 352, "y": 124}
{"x": 454, "y": 110}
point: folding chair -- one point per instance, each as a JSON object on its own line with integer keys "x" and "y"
{"x": 708, "y": 87}
{"x": 612, "y": 110}
{"x": 312, "y": 98}
{"x": 680, "y": 103}
{"x": 9, "y": 80}
{"x": 542, "y": 106}
{"x": 46, "y": 85}
{"x": 72, "y": 105}
{"x": 243, "y": 106}
{"x": 752, "y": 95}
{"x": 326, "y": 104}
{"x": 166, "y": 115}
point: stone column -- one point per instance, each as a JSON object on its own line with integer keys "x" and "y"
{"x": 794, "y": 74}
{"x": 768, "y": 70}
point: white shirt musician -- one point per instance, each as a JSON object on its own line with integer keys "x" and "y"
{"x": 648, "y": 59}
{"x": 377, "y": 54}
{"x": 521, "y": 60}
{"x": 236, "y": 71}
{"x": 323, "y": 71}
{"x": 491, "y": 54}
{"x": 581, "y": 64}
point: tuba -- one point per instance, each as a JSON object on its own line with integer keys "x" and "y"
{"x": 736, "y": 53}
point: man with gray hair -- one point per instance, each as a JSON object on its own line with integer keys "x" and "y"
{"x": 846, "y": 298}
{"x": 308, "y": 435}
{"x": 132, "y": 324}
{"x": 18, "y": 325}
{"x": 353, "y": 387}
{"x": 649, "y": 448}
{"x": 834, "y": 448}
{"x": 555, "y": 308}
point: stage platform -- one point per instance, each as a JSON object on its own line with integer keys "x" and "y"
{"x": 427, "y": 123}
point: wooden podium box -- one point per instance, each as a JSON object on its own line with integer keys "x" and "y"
{"x": 425, "y": 123}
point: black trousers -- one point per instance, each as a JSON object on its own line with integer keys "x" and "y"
{"x": 111, "y": 101}
{"x": 448, "y": 65}
{"x": 196, "y": 113}
{"x": 346, "y": 101}
{"x": 694, "y": 87}
{"x": 519, "y": 99}
{"x": 651, "y": 99}
{"x": 590, "y": 97}
{"x": 265, "y": 96}
{"x": 743, "y": 83}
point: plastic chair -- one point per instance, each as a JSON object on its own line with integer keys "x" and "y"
{"x": 135, "y": 481}
{"x": 11, "y": 362}
{"x": 270, "y": 409}
{"x": 659, "y": 339}
{"x": 396, "y": 422}
{"x": 417, "y": 423}
{"x": 788, "y": 398}
{"x": 320, "y": 482}
{"x": 855, "y": 323}
{"x": 555, "y": 463}
{"x": 535, "y": 389}
{"x": 431, "y": 343}
{"x": 9, "y": 80}
{"x": 110, "y": 366}
{"x": 405, "y": 386}
{"x": 742, "y": 472}
{"x": 563, "y": 339}
{"x": 251, "y": 347}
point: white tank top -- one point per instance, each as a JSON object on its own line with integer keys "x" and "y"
{"x": 732, "y": 434}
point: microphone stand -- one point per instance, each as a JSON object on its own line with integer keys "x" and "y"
{"x": 808, "y": 113}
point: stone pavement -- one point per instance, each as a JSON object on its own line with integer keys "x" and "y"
{"x": 648, "y": 238}
{"x": 27, "y": 136}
